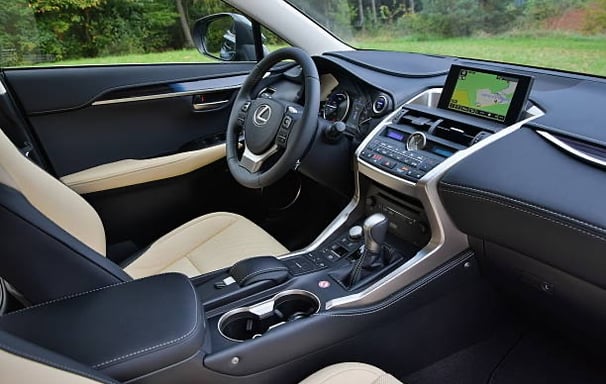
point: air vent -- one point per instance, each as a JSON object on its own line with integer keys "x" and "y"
{"x": 450, "y": 130}
{"x": 417, "y": 120}
{"x": 456, "y": 132}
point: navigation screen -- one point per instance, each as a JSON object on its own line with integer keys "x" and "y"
{"x": 486, "y": 94}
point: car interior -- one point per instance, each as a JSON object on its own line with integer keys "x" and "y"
{"x": 345, "y": 216}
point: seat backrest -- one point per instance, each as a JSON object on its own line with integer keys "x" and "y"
{"x": 52, "y": 198}
{"x": 52, "y": 242}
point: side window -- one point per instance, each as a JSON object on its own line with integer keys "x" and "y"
{"x": 79, "y": 32}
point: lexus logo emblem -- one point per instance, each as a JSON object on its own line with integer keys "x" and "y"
{"x": 262, "y": 115}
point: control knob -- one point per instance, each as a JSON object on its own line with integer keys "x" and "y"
{"x": 355, "y": 232}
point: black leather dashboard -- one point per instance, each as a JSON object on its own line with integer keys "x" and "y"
{"x": 533, "y": 212}
{"x": 523, "y": 193}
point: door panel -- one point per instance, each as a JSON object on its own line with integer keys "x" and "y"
{"x": 43, "y": 90}
{"x": 100, "y": 115}
{"x": 96, "y": 135}
{"x": 144, "y": 144}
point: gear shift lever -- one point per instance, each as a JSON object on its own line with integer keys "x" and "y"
{"x": 375, "y": 229}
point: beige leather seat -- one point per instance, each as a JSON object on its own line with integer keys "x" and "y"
{"x": 207, "y": 243}
{"x": 351, "y": 373}
{"x": 17, "y": 369}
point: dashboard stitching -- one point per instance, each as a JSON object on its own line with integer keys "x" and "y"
{"x": 561, "y": 215}
{"x": 529, "y": 212}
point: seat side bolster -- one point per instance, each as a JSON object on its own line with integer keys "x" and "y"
{"x": 41, "y": 260}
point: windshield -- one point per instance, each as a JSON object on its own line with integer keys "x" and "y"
{"x": 560, "y": 34}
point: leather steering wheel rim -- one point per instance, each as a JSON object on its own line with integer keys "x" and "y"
{"x": 249, "y": 112}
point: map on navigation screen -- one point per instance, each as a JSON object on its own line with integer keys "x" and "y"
{"x": 483, "y": 94}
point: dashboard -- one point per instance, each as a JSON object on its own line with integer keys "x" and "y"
{"x": 500, "y": 170}
{"x": 501, "y": 173}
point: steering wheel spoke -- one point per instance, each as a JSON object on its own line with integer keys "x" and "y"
{"x": 253, "y": 162}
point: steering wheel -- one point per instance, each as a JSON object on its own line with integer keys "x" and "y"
{"x": 272, "y": 126}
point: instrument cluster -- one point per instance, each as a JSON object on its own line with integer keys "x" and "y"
{"x": 349, "y": 102}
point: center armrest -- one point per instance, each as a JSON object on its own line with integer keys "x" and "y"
{"x": 125, "y": 330}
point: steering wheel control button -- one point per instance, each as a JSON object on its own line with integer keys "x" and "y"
{"x": 286, "y": 122}
{"x": 281, "y": 141}
{"x": 245, "y": 106}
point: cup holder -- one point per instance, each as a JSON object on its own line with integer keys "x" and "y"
{"x": 251, "y": 322}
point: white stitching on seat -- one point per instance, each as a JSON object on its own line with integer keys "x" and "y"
{"x": 195, "y": 326}
{"x": 65, "y": 298}
{"x": 598, "y": 228}
{"x": 148, "y": 349}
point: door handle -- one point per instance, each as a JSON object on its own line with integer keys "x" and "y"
{"x": 200, "y": 104}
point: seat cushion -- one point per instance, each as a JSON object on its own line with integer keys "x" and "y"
{"x": 351, "y": 373}
{"x": 210, "y": 242}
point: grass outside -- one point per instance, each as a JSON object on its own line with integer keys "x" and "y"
{"x": 571, "y": 53}
{"x": 567, "y": 52}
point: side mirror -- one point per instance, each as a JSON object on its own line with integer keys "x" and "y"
{"x": 225, "y": 36}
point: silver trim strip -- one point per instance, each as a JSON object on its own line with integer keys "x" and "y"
{"x": 446, "y": 241}
{"x": 160, "y": 96}
{"x": 2, "y": 89}
{"x": 253, "y": 162}
{"x": 209, "y": 105}
{"x": 206, "y": 86}
{"x": 573, "y": 151}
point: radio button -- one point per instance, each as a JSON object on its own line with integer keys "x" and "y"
{"x": 415, "y": 174}
{"x": 428, "y": 165}
{"x": 388, "y": 163}
{"x": 402, "y": 170}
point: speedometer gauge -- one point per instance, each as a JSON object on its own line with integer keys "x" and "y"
{"x": 336, "y": 107}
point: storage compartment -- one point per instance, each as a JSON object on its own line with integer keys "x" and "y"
{"x": 127, "y": 331}
{"x": 251, "y": 322}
